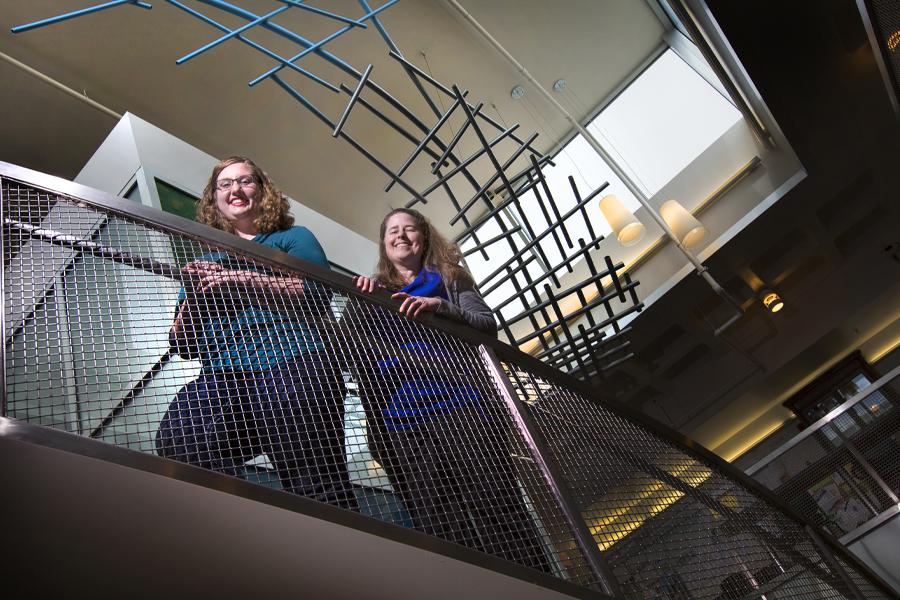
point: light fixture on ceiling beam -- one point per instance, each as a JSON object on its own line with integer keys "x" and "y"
{"x": 771, "y": 300}
{"x": 683, "y": 224}
{"x": 624, "y": 224}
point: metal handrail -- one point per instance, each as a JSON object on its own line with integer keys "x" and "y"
{"x": 817, "y": 426}
{"x": 345, "y": 285}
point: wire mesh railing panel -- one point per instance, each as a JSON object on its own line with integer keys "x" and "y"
{"x": 668, "y": 524}
{"x": 846, "y": 471}
{"x": 136, "y": 335}
{"x": 449, "y": 446}
{"x": 130, "y": 334}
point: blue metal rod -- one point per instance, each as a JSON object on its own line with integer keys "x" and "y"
{"x": 254, "y": 45}
{"x": 324, "y": 13}
{"x": 78, "y": 13}
{"x": 380, "y": 28}
{"x": 284, "y": 32}
{"x": 351, "y": 102}
{"x": 318, "y": 45}
{"x": 230, "y": 35}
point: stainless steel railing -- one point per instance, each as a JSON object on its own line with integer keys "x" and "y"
{"x": 843, "y": 471}
{"x": 335, "y": 397}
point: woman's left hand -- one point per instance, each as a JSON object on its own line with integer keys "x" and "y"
{"x": 413, "y": 306}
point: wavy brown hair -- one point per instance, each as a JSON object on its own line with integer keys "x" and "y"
{"x": 274, "y": 210}
{"x": 437, "y": 252}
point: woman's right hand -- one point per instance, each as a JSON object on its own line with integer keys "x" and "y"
{"x": 366, "y": 284}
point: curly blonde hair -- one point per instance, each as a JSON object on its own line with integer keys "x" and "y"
{"x": 274, "y": 210}
{"x": 437, "y": 253}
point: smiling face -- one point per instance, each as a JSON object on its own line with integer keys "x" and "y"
{"x": 404, "y": 242}
{"x": 239, "y": 204}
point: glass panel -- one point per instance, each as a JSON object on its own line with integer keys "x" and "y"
{"x": 175, "y": 201}
{"x": 663, "y": 121}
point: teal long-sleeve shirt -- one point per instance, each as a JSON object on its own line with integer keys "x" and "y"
{"x": 248, "y": 337}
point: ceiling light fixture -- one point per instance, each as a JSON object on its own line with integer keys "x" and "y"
{"x": 624, "y": 224}
{"x": 772, "y": 301}
{"x": 683, "y": 224}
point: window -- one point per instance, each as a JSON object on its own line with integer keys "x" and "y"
{"x": 663, "y": 121}
{"x": 657, "y": 126}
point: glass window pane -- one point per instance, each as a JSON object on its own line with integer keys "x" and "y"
{"x": 663, "y": 121}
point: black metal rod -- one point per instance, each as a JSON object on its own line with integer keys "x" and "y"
{"x": 570, "y": 290}
{"x": 561, "y": 320}
{"x": 409, "y": 72}
{"x": 352, "y": 102}
{"x": 499, "y": 174}
{"x": 458, "y": 136}
{"x": 421, "y": 145}
{"x": 584, "y": 214}
{"x": 494, "y": 239}
{"x": 615, "y": 279}
{"x": 543, "y": 181}
{"x": 540, "y": 237}
{"x": 455, "y": 203}
{"x": 500, "y": 170}
{"x": 493, "y": 210}
{"x": 356, "y": 145}
{"x": 577, "y": 313}
{"x": 600, "y": 337}
{"x": 540, "y": 202}
{"x": 566, "y": 261}
{"x": 255, "y": 46}
{"x": 446, "y": 90}
{"x": 469, "y": 160}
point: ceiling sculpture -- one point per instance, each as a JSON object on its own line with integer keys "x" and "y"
{"x": 483, "y": 187}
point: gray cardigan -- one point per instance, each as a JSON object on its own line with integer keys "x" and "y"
{"x": 467, "y": 306}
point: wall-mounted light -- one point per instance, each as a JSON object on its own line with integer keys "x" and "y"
{"x": 771, "y": 300}
{"x": 624, "y": 224}
{"x": 683, "y": 224}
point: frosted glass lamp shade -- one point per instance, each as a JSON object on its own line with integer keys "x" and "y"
{"x": 683, "y": 224}
{"x": 624, "y": 224}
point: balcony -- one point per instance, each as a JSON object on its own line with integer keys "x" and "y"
{"x": 391, "y": 457}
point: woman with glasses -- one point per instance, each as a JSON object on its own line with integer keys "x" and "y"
{"x": 266, "y": 385}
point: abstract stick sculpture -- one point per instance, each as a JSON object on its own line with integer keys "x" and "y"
{"x": 486, "y": 188}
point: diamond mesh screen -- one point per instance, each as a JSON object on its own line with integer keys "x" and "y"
{"x": 133, "y": 335}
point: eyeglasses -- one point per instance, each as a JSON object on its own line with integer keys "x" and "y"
{"x": 223, "y": 185}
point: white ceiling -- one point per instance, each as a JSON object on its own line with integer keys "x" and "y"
{"x": 124, "y": 58}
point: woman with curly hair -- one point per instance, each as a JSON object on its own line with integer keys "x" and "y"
{"x": 266, "y": 385}
{"x": 435, "y": 426}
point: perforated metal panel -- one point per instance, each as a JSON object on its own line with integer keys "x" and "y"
{"x": 290, "y": 380}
